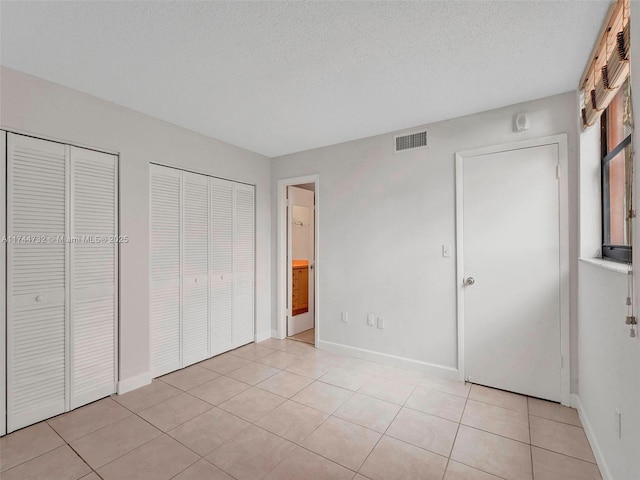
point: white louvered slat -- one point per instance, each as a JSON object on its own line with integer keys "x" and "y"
{"x": 221, "y": 266}
{"x": 94, "y": 271}
{"x": 37, "y": 324}
{"x": 221, "y": 316}
{"x": 195, "y": 271}
{"x": 165, "y": 270}
{"x": 243, "y": 263}
{"x": 93, "y": 362}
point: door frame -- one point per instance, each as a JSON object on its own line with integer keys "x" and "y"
{"x": 3, "y": 286}
{"x": 282, "y": 310}
{"x": 563, "y": 198}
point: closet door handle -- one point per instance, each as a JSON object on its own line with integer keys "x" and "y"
{"x": 39, "y": 298}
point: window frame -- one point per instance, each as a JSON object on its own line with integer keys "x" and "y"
{"x": 616, "y": 253}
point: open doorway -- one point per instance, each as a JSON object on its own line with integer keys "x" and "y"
{"x": 297, "y": 259}
{"x": 301, "y": 262}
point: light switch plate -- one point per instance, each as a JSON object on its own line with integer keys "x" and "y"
{"x": 446, "y": 251}
{"x": 345, "y": 317}
{"x": 371, "y": 319}
{"x": 380, "y": 322}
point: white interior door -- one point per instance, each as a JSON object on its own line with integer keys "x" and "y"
{"x": 195, "y": 271}
{"x": 301, "y": 248}
{"x": 165, "y": 262}
{"x": 94, "y": 275}
{"x": 3, "y": 273}
{"x": 37, "y": 323}
{"x": 511, "y": 264}
{"x": 221, "y": 319}
{"x": 243, "y": 264}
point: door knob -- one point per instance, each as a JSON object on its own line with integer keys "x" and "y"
{"x": 469, "y": 281}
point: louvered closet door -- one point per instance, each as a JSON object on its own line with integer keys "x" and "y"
{"x": 243, "y": 264}
{"x": 165, "y": 270}
{"x": 221, "y": 266}
{"x": 37, "y": 281}
{"x": 94, "y": 273}
{"x": 195, "y": 270}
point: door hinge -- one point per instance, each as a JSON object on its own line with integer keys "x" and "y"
{"x": 557, "y": 171}
{"x": 632, "y": 213}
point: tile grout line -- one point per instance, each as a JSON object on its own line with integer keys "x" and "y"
{"x": 257, "y": 426}
{"x": 480, "y": 470}
{"x": 460, "y": 424}
{"x": 295, "y": 444}
{"x": 218, "y": 467}
{"x": 557, "y": 421}
{"x": 251, "y": 423}
{"x": 188, "y": 466}
{"x": 39, "y": 455}
{"x": 43, "y": 453}
{"x": 455, "y": 437}
{"x": 83, "y": 460}
{"x": 66, "y": 443}
{"x": 333, "y": 415}
{"x": 499, "y": 406}
{"x": 275, "y": 434}
{"x": 330, "y": 415}
{"x": 385, "y": 431}
{"x": 565, "y": 455}
{"x": 162, "y": 432}
{"x": 134, "y": 449}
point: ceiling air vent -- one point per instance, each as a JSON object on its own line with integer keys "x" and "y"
{"x": 410, "y": 141}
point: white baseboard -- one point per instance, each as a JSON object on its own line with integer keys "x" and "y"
{"x": 276, "y": 334}
{"x": 393, "y": 360}
{"x": 132, "y": 383}
{"x": 602, "y": 464}
{"x": 261, "y": 336}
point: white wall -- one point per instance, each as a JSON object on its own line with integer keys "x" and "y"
{"x": 590, "y": 193}
{"x": 384, "y": 218}
{"x": 609, "y": 367}
{"x": 302, "y": 239}
{"x": 300, "y": 234}
{"x": 30, "y": 104}
{"x": 609, "y": 359}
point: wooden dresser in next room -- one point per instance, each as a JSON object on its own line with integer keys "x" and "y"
{"x": 300, "y": 287}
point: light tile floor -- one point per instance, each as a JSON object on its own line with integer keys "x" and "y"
{"x": 284, "y": 410}
{"x": 308, "y": 336}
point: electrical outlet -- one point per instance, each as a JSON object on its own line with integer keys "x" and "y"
{"x": 371, "y": 319}
{"x": 345, "y": 317}
{"x": 380, "y": 322}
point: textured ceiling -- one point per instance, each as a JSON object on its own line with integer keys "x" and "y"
{"x": 280, "y": 77}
